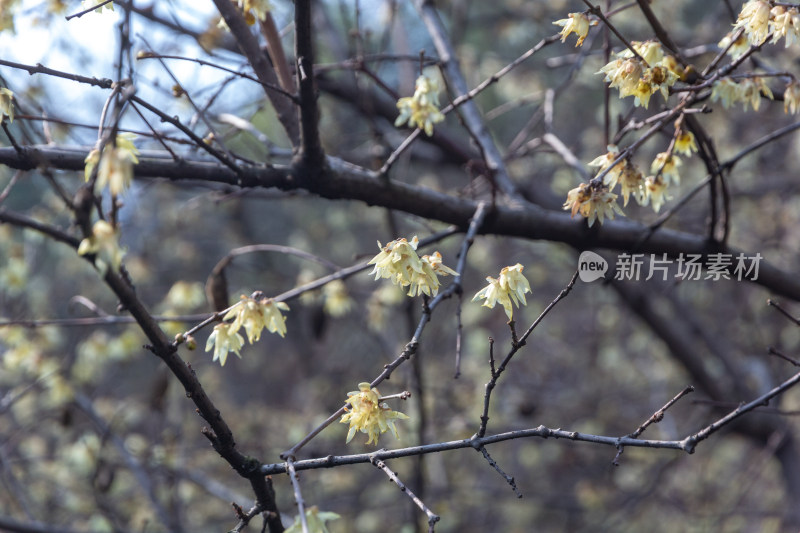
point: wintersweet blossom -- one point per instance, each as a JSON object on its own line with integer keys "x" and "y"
{"x": 667, "y": 165}
{"x": 643, "y": 75}
{"x": 255, "y": 314}
{"x": 785, "y": 23}
{"x": 6, "y": 104}
{"x": 632, "y": 183}
{"x": 791, "y": 98}
{"x": 104, "y": 243}
{"x": 368, "y": 415}
{"x": 656, "y": 190}
{"x": 337, "y": 301}
{"x": 224, "y": 340}
{"x": 422, "y": 109}
{"x": 398, "y": 261}
{"x": 735, "y": 48}
{"x": 509, "y": 288}
{"x": 604, "y": 161}
{"x": 116, "y": 164}
{"x": 751, "y": 91}
{"x": 685, "y": 143}
{"x": 754, "y": 18}
{"x": 576, "y": 23}
{"x": 592, "y": 202}
{"x": 727, "y": 91}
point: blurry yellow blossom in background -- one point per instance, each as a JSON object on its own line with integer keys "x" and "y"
{"x": 422, "y": 109}
{"x": 104, "y": 243}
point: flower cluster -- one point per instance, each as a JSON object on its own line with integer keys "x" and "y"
{"x": 399, "y": 262}
{"x": 641, "y": 78}
{"x": 596, "y": 200}
{"x": 577, "y": 23}
{"x": 255, "y": 314}
{"x": 116, "y": 164}
{"x": 422, "y": 109}
{"x": 367, "y": 414}
{"x": 747, "y": 91}
{"x": 509, "y": 287}
{"x": 758, "y": 20}
{"x": 6, "y": 104}
{"x": 104, "y": 244}
{"x": 592, "y": 201}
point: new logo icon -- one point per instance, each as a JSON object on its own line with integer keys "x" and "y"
{"x": 591, "y": 266}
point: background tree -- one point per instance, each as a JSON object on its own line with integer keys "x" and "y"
{"x": 182, "y": 175}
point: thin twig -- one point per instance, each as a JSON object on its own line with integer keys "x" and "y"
{"x": 298, "y": 496}
{"x": 509, "y": 479}
{"x": 432, "y": 517}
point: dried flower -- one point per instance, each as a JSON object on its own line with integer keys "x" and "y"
{"x": 593, "y": 202}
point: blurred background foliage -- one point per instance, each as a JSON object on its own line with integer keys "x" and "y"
{"x": 86, "y": 411}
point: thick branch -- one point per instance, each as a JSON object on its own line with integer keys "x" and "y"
{"x": 349, "y": 182}
{"x": 263, "y": 70}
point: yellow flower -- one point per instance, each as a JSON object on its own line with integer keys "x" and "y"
{"x": 116, "y": 165}
{"x": 6, "y": 104}
{"x": 632, "y": 182}
{"x": 427, "y": 282}
{"x": 399, "y": 262}
{"x": 685, "y": 143}
{"x": 754, "y": 18}
{"x": 337, "y": 301}
{"x": 739, "y": 47}
{"x": 224, "y": 340}
{"x": 785, "y": 23}
{"x": 791, "y": 98}
{"x": 257, "y": 314}
{"x": 623, "y": 74}
{"x": 726, "y": 90}
{"x": 656, "y": 190}
{"x": 7, "y": 8}
{"x": 577, "y": 23}
{"x": 670, "y": 164}
{"x": 751, "y": 91}
{"x": 593, "y": 202}
{"x": 509, "y": 288}
{"x": 604, "y": 161}
{"x": 254, "y": 10}
{"x": 633, "y": 78}
{"x": 422, "y": 109}
{"x": 104, "y": 243}
{"x": 368, "y": 415}
{"x": 650, "y": 51}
